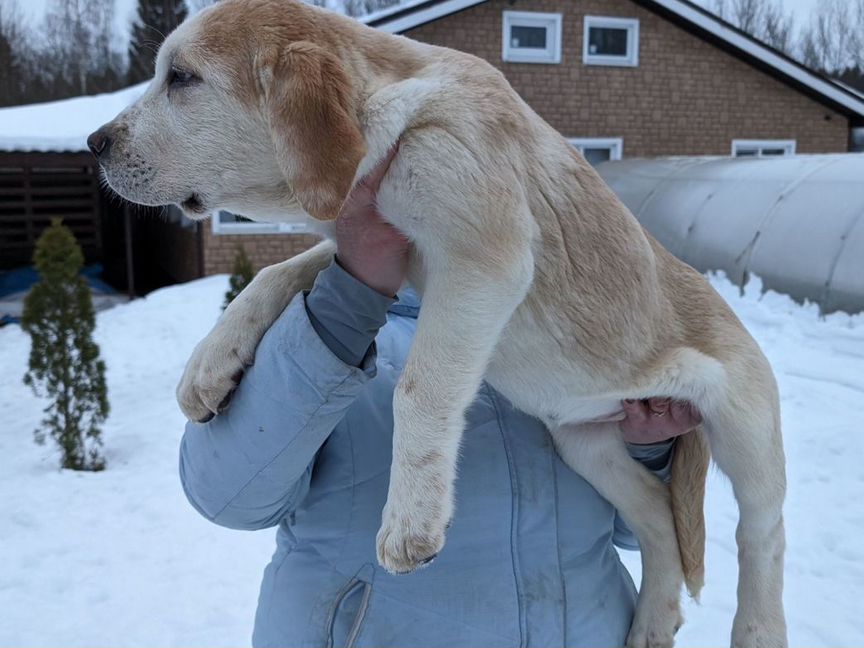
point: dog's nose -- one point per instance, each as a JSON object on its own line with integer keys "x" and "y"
{"x": 99, "y": 143}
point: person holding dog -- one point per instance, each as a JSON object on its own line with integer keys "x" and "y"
{"x": 306, "y": 447}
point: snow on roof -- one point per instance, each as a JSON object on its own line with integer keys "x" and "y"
{"x": 61, "y": 126}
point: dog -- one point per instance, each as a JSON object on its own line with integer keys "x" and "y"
{"x": 533, "y": 274}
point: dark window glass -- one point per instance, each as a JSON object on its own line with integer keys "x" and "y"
{"x": 595, "y": 156}
{"x": 746, "y": 152}
{"x": 228, "y": 217}
{"x": 607, "y": 41}
{"x": 773, "y": 151}
{"x": 532, "y": 37}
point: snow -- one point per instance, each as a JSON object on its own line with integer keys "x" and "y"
{"x": 120, "y": 559}
{"x": 64, "y": 125}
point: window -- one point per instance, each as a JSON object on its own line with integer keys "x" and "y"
{"x": 531, "y": 37}
{"x": 762, "y": 148}
{"x": 611, "y": 41}
{"x": 227, "y": 223}
{"x": 599, "y": 149}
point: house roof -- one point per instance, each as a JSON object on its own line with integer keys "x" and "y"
{"x": 61, "y": 126}
{"x": 687, "y": 15}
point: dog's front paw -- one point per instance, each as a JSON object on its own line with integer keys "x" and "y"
{"x": 214, "y": 371}
{"x": 407, "y": 542}
{"x": 401, "y": 551}
{"x": 655, "y": 623}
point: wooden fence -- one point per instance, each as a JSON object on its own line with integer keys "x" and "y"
{"x": 36, "y": 187}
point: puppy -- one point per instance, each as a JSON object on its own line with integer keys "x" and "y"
{"x": 532, "y": 273}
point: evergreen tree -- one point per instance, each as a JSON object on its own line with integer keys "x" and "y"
{"x": 11, "y": 73}
{"x": 64, "y": 361}
{"x": 241, "y": 275}
{"x": 156, "y": 19}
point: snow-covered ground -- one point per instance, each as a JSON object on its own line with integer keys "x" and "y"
{"x": 118, "y": 558}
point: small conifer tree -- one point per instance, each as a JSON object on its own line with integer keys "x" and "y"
{"x": 241, "y": 275}
{"x": 64, "y": 361}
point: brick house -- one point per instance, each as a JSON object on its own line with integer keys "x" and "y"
{"x": 618, "y": 78}
{"x": 647, "y": 77}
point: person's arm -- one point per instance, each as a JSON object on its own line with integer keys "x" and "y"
{"x": 650, "y": 429}
{"x": 250, "y": 466}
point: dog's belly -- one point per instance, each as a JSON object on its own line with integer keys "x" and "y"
{"x": 533, "y": 373}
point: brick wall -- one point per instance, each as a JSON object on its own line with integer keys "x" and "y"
{"x": 686, "y": 97}
{"x": 262, "y": 249}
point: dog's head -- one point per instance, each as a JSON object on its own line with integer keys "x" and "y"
{"x": 251, "y": 109}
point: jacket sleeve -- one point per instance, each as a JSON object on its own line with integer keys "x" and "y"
{"x": 656, "y": 457}
{"x": 250, "y": 466}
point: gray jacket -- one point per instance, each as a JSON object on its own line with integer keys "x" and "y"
{"x": 306, "y": 447}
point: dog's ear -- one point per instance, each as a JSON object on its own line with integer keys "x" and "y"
{"x": 309, "y": 103}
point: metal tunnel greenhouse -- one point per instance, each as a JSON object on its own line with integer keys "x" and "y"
{"x": 796, "y": 222}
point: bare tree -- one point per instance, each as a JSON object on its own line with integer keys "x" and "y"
{"x": 362, "y": 7}
{"x": 11, "y": 68}
{"x": 79, "y": 52}
{"x": 776, "y": 28}
{"x": 765, "y": 20}
{"x": 829, "y": 42}
{"x": 858, "y": 36}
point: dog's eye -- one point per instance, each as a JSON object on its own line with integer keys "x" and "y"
{"x": 178, "y": 78}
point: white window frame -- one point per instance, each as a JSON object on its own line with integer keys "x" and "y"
{"x": 632, "y": 27}
{"x": 256, "y": 228}
{"x": 551, "y": 21}
{"x": 614, "y": 144}
{"x": 787, "y": 145}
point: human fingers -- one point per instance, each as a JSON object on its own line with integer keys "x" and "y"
{"x": 636, "y": 411}
{"x": 658, "y": 407}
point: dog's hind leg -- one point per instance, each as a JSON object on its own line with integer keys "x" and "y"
{"x": 597, "y": 453}
{"x": 746, "y": 445}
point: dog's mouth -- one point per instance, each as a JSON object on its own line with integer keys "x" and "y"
{"x": 193, "y": 204}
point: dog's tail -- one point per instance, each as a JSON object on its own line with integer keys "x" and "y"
{"x": 689, "y": 472}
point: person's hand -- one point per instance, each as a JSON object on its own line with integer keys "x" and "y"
{"x": 657, "y": 419}
{"x": 368, "y": 247}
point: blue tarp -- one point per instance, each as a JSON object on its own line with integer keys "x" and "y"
{"x": 19, "y": 280}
